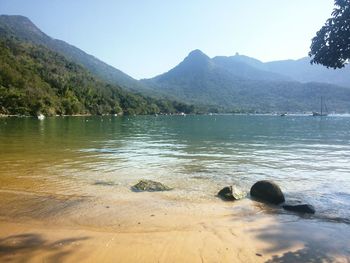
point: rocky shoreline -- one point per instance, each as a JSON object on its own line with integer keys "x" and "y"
{"x": 264, "y": 191}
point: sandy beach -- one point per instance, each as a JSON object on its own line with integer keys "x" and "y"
{"x": 150, "y": 227}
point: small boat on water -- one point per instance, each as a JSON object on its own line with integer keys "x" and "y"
{"x": 283, "y": 114}
{"x": 317, "y": 114}
{"x": 323, "y": 111}
{"x": 41, "y": 116}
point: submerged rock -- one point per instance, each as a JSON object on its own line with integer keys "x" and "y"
{"x": 104, "y": 183}
{"x": 151, "y": 186}
{"x": 303, "y": 208}
{"x": 267, "y": 191}
{"x": 231, "y": 193}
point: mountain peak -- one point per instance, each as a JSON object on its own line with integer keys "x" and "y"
{"x": 15, "y": 18}
{"x": 19, "y": 23}
{"x": 195, "y": 59}
{"x": 197, "y": 54}
{"x": 24, "y": 29}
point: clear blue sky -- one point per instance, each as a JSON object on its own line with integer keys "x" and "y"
{"x": 146, "y": 38}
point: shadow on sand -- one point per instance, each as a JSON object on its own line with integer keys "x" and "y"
{"x": 309, "y": 254}
{"x": 292, "y": 238}
{"x": 24, "y": 247}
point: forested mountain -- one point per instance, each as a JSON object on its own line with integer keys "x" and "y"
{"x": 242, "y": 83}
{"x": 298, "y": 70}
{"x": 34, "y": 79}
{"x": 235, "y": 83}
{"x": 23, "y": 29}
{"x": 301, "y": 70}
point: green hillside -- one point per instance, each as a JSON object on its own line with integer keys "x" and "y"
{"x": 23, "y": 29}
{"x": 34, "y": 79}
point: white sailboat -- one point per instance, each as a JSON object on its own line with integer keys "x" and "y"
{"x": 323, "y": 111}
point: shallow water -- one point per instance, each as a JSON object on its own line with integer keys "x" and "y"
{"x": 98, "y": 157}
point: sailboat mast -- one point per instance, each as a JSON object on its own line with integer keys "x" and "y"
{"x": 321, "y": 104}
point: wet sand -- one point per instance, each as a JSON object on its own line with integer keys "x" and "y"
{"x": 151, "y": 227}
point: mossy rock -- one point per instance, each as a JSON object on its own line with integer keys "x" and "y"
{"x": 150, "y": 186}
{"x": 231, "y": 193}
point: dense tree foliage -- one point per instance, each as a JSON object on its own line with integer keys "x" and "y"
{"x": 331, "y": 45}
{"x": 34, "y": 79}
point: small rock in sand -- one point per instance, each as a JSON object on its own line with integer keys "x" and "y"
{"x": 231, "y": 193}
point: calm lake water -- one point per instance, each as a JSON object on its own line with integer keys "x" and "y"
{"x": 197, "y": 155}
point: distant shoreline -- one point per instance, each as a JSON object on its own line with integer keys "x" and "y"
{"x": 173, "y": 114}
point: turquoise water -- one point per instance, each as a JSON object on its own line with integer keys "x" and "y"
{"x": 308, "y": 156}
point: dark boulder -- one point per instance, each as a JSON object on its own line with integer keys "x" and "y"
{"x": 231, "y": 193}
{"x": 150, "y": 186}
{"x": 267, "y": 191}
{"x": 303, "y": 208}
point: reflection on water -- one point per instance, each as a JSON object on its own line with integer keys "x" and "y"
{"x": 80, "y": 156}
